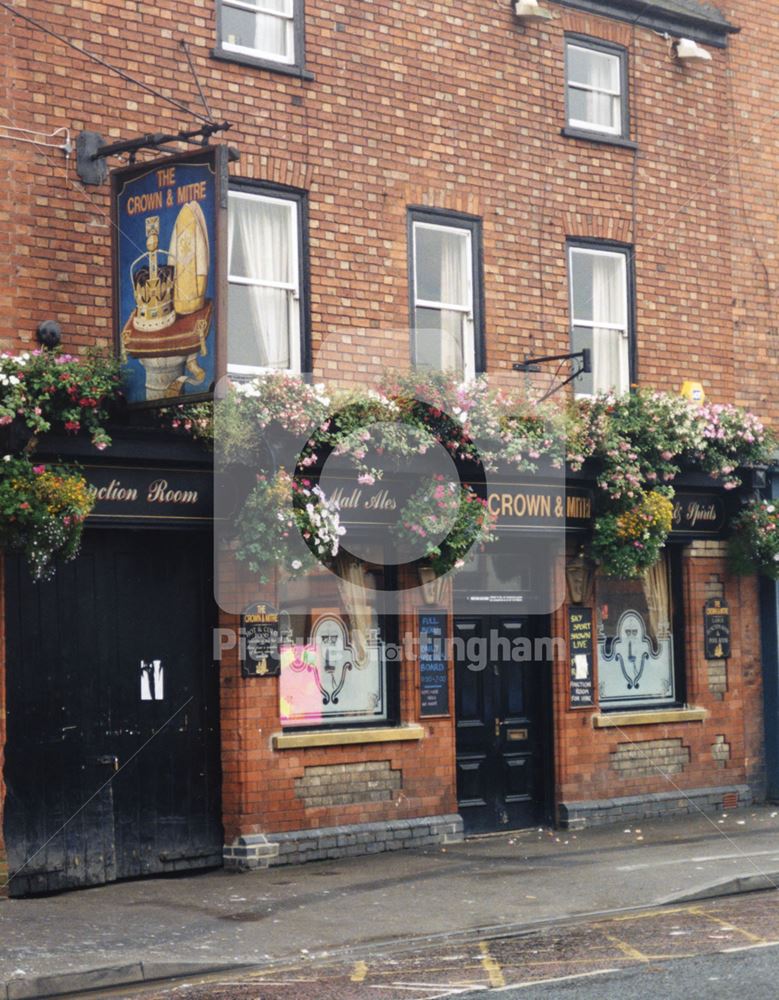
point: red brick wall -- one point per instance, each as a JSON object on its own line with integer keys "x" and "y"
{"x": 583, "y": 765}
{"x": 420, "y": 103}
{"x": 412, "y": 104}
{"x": 258, "y": 782}
{"x": 753, "y": 104}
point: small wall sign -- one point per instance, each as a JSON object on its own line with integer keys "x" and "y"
{"x": 716, "y": 629}
{"x": 582, "y": 687}
{"x": 433, "y": 664}
{"x": 260, "y": 641}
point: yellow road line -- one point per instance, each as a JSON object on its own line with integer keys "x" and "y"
{"x": 359, "y": 973}
{"x": 490, "y": 966}
{"x": 646, "y": 914}
{"x": 627, "y": 949}
{"x": 727, "y": 924}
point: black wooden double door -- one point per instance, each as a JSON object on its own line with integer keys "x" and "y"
{"x": 112, "y": 754}
{"x": 502, "y": 698}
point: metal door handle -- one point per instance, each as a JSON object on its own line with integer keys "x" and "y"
{"x": 497, "y": 727}
{"x": 109, "y": 759}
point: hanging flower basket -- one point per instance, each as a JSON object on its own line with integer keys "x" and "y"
{"x": 288, "y": 525}
{"x": 42, "y": 512}
{"x": 627, "y": 543}
{"x": 451, "y": 510}
{"x": 754, "y": 544}
{"x": 45, "y": 390}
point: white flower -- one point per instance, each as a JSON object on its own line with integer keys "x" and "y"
{"x": 770, "y": 508}
{"x": 7, "y": 458}
{"x": 296, "y": 564}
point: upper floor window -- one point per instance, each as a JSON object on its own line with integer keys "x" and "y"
{"x": 265, "y": 327}
{"x": 263, "y": 31}
{"x": 596, "y": 87}
{"x": 446, "y": 293}
{"x": 600, "y": 312}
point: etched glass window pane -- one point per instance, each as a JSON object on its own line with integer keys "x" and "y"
{"x": 635, "y": 642}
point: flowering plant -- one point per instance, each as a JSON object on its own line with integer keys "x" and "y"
{"x": 45, "y": 389}
{"x": 278, "y": 512}
{"x": 627, "y": 542}
{"x": 645, "y": 437}
{"x": 194, "y": 419}
{"x": 42, "y": 512}
{"x": 733, "y": 437}
{"x": 640, "y": 441}
{"x": 449, "y": 519}
{"x": 754, "y": 544}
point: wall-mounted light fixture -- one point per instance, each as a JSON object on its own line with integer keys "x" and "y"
{"x": 531, "y": 10}
{"x": 49, "y": 334}
{"x": 686, "y": 49}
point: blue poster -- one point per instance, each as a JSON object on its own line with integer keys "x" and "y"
{"x": 165, "y": 277}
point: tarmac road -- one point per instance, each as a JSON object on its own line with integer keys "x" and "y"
{"x": 716, "y": 949}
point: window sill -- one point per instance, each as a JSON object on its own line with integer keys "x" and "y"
{"x": 345, "y": 737}
{"x": 650, "y": 717}
{"x": 608, "y": 140}
{"x": 275, "y": 67}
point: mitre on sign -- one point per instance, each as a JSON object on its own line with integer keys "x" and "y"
{"x": 189, "y": 250}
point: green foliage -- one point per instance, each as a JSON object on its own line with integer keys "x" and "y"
{"x": 48, "y": 390}
{"x": 42, "y": 512}
{"x": 445, "y": 508}
{"x": 754, "y": 544}
{"x": 628, "y": 542}
{"x": 278, "y": 513}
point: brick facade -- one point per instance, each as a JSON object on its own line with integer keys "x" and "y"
{"x": 419, "y": 104}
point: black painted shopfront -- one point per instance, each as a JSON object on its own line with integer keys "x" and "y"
{"x": 112, "y": 755}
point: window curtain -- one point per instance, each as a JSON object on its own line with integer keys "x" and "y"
{"x": 609, "y": 354}
{"x": 658, "y": 598}
{"x": 264, "y": 233}
{"x": 454, "y": 291}
{"x": 270, "y": 33}
{"x": 354, "y": 593}
{"x": 601, "y": 73}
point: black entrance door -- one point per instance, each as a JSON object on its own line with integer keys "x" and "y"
{"x": 501, "y": 698}
{"x": 112, "y": 755}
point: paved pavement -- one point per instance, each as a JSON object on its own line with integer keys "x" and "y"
{"x": 483, "y": 887}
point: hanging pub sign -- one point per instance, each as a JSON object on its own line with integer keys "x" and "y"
{"x": 581, "y": 656}
{"x": 433, "y": 669}
{"x": 716, "y": 629}
{"x": 167, "y": 219}
{"x": 260, "y": 641}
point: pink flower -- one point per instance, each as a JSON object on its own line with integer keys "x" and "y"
{"x": 366, "y": 479}
{"x": 666, "y": 455}
{"x": 100, "y": 445}
{"x": 39, "y": 469}
{"x": 6, "y": 419}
